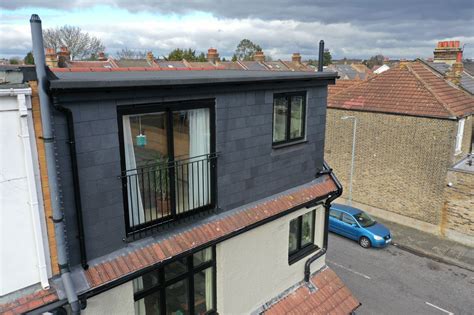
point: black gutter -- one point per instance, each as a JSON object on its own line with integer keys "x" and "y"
{"x": 327, "y": 206}
{"x": 75, "y": 178}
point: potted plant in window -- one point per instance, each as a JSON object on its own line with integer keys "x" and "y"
{"x": 161, "y": 184}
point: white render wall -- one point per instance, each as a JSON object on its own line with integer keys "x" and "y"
{"x": 118, "y": 300}
{"x": 21, "y": 264}
{"x": 253, "y": 268}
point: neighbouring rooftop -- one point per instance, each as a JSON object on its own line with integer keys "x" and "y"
{"x": 413, "y": 88}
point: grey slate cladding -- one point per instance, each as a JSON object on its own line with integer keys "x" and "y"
{"x": 249, "y": 168}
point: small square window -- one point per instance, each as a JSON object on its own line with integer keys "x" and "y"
{"x": 289, "y": 115}
{"x": 301, "y": 239}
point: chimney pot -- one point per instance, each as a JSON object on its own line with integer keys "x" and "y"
{"x": 212, "y": 55}
{"x": 51, "y": 58}
{"x": 259, "y": 56}
{"x": 296, "y": 57}
{"x": 102, "y": 56}
{"x": 149, "y": 57}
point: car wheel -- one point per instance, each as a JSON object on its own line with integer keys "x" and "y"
{"x": 364, "y": 242}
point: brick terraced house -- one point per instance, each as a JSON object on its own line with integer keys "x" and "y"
{"x": 413, "y": 140}
{"x": 185, "y": 191}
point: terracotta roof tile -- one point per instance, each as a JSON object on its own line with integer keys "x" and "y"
{"x": 137, "y": 259}
{"x": 325, "y": 299}
{"x": 29, "y": 302}
{"x": 411, "y": 90}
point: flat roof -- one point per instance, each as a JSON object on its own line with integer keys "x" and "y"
{"x": 91, "y": 80}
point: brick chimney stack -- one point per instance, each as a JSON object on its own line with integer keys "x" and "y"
{"x": 149, "y": 57}
{"x": 51, "y": 58}
{"x": 102, "y": 56}
{"x": 259, "y": 56}
{"x": 64, "y": 53}
{"x": 212, "y": 55}
{"x": 447, "y": 52}
{"x": 296, "y": 57}
{"x": 455, "y": 73}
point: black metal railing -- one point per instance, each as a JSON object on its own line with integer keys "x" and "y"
{"x": 162, "y": 192}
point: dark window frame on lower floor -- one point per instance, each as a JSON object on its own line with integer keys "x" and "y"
{"x": 288, "y": 140}
{"x": 302, "y": 250}
{"x": 189, "y": 275}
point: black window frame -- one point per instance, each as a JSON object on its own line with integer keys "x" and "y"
{"x": 288, "y": 139}
{"x": 133, "y": 232}
{"x": 302, "y": 251}
{"x": 189, "y": 275}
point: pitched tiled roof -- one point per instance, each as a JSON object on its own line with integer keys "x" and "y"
{"x": 111, "y": 269}
{"x": 413, "y": 89}
{"x": 29, "y": 302}
{"x": 341, "y": 85}
{"x": 325, "y": 294}
{"x": 467, "y": 77}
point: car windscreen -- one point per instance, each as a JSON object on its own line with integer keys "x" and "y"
{"x": 364, "y": 219}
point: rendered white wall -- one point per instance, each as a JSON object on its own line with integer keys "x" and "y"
{"x": 118, "y": 300}
{"x": 19, "y": 264}
{"x": 253, "y": 268}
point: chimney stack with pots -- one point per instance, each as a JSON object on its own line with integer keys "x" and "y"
{"x": 212, "y": 55}
{"x": 149, "y": 57}
{"x": 447, "y": 52}
{"x": 51, "y": 58}
{"x": 296, "y": 57}
{"x": 102, "y": 56}
{"x": 259, "y": 56}
{"x": 64, "y": 55}
{"x": 455, "y": 73}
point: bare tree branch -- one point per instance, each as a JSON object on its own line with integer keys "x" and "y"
{"x": 80, "y": 44}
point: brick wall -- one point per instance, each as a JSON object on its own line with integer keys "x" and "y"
{"x": 401, "y": 161}
{"x": 35, "y": 108}
{"x": 459, "y": 208}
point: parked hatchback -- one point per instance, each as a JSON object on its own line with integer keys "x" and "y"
{"x": 358, "y": 225}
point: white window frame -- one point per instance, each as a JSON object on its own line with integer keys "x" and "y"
{"x": 459, "y": 135}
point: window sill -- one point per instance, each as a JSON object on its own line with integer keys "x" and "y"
{"x": 302, "y": 253}
{"x": 288, "y": 144}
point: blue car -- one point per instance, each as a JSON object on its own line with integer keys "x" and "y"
{"x": 358, "y": 225}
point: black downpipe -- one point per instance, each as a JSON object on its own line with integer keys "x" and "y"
{"x": 327, "y": 206}
{"x": 321, "y": 56}
{"x": 75, "y": 179}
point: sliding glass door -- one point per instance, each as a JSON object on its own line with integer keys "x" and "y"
{"x": 167, "y": 160}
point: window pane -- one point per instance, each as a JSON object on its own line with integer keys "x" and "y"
{"x": 175, "y": 269}
{"x": 307, "y": 229}
{"x": 280, "y": 112}
{"x": 202, "y": 256}
{"x": 148, "y": 305}
{"x": 192, "y": 134}
{"x": 347, "y": 219}
{"x": 203, "y": 291}
{"x": 145, "y": 282}
{"x": 146, "y": 155}
{"x": 335, "y": 214}
{"x": 296, "y": 125}
{"x": 293, "y": 243}
{"x": 177, "y": 298}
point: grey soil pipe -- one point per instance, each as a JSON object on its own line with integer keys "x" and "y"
{"x": 48, "y": 138}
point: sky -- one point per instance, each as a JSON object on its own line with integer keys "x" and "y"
{"x": 350, "y": 28}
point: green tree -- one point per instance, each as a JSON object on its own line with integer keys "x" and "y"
{"x": 189, "y": 54}
{"x": 327, "y": 58}
{"x": 14, "y": 61}
{"x": 376, "y": 60}
{"x": 245, "y": 50}
{"x": 29, "y": 60}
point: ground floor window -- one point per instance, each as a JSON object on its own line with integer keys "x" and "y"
{"x": 184, "y": 286}
{"x": 301, "y": 239}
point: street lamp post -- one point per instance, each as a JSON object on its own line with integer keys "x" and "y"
{"x": 354, "y": 130}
